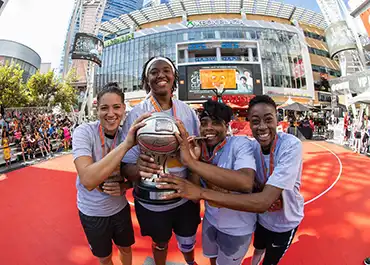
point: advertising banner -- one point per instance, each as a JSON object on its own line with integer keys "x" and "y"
{"x": 215, "y": 78}
{"x": 118, "y": 40}
{"x": 238, "y": 79}
{"x": 339, "y": 38}
{"x": 365, "y": 17}
{"x": 87, "y": 47}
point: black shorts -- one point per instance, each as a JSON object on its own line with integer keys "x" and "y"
{"x": 100, "y": 231}
{"x": 276, "y": 244}
{"x": 183, "y": 220}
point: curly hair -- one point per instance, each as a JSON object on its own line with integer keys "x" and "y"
{"x": 261, "y": 99}
{"x": 144, "y": 78}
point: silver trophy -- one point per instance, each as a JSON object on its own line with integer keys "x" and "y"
{"x": 156, "y": 139}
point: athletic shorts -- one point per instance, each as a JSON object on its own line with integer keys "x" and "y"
{"x": 276, "y": 244}
{"x": 100, "y": 231}
{"x": 228, "y": 249}
{"x": 182, "y": 220}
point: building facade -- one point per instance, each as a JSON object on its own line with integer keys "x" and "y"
{"x": 85, "y": 17}
{"x": 281, "y": 48}
{"x": 115, "y": 8}
{"x": 15, "y": 53}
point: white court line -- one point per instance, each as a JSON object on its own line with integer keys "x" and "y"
{"x": 335, "y": 182}
{"x": 329, "y": 188}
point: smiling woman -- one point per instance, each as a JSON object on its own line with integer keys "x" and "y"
{"x": 98, "y": 148}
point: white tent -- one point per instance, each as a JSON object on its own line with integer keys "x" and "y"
{"x": 290, "y": 101}
{"x": 363, "y": 98}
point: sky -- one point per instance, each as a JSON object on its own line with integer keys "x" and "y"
{"x": 42, "y": 24}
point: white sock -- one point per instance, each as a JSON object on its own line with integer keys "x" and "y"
{"x": 258, "y": 256}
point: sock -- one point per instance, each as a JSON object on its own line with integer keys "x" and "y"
{"x": 257, "y": 256}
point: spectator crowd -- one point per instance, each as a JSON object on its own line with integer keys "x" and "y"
{"x": 26, "y": 133}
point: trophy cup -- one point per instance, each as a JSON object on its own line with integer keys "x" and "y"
{"x": 156, "y": 139}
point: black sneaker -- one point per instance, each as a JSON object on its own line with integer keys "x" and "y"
{"x": 367, "y": 261}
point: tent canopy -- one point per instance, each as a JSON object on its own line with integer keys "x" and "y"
{"x": 296, "y": 107}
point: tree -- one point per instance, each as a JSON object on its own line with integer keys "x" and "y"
{"x": 42, "y": 88}
{"x": 47, "y": 90}
{"x": 13, "y": 92}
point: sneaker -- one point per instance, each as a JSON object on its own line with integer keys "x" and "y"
{"x": 367, "y": 261}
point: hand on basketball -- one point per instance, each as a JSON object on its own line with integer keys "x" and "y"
{"x": 185, "y": 189}
{"x": 114, "y": 188}
{"x": 130, "y": 140}
{"x": 147, "y": 167}
{"x": 182, "y": 138}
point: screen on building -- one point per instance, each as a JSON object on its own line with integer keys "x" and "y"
{"x": 190, "y": 87}
{"x": 87, "y": 47}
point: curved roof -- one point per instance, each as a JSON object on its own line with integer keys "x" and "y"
{"x": 19, "y": 51}
{"x": 177, "y": 8}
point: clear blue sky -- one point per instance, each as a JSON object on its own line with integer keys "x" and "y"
{"x": 309, "y": 4}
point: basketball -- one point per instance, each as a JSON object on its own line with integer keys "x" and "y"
{"x": 158, "y": 135}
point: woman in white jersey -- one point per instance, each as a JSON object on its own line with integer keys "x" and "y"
{"x": 277, "y": 198}
{"x": 159, "y": 78}
{"x": 97, "y": 151}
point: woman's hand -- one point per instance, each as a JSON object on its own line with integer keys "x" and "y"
{"x": 147, "y": 166}
{"x": 114, "y": 188}
{"x": 194, "y": 146}
{"x": 185, "y": 151}
{"x": 185, "y": 189}
{"x": 130, "y": 140}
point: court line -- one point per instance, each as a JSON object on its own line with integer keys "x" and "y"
{"x": 336, "y": 180}
{"x": 330, "y": 187}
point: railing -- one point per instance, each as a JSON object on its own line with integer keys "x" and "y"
{"x": 16, "y": 151}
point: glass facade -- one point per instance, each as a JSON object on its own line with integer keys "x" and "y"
{"x": 280, "y": 52}
{"x": 115, "y": 8}
{"x": 29, "y": 69}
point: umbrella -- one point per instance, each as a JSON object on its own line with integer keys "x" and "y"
{"x": 361, "y": 98}
{"x": 296, "y": 107}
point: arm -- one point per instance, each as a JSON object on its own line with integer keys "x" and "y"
{"x": 241, "y": 180}
{"x": 287, "y": 170}
{"x": 92, "y": 174}
{"x": 133, "y": 162}
{"x": 255, "y": 202}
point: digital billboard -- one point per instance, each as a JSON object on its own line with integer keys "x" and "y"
{"x": 87, "y": 47}
{"x": 211, "y": 79}
{"x": 246, "y": 80}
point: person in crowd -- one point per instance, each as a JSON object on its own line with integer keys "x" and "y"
{"x": 98, "y": 148}
{"x": 276, "y": 199}
{"x": 6, "y": 148}
{"x": 40, "y": 142}
{"x": 24, "y": 145}
{"x": 66, "y": 137}
{"x": 159, "y": 79}
{"x": 226, "y": 233}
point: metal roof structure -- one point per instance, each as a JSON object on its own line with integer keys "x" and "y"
{"x": 178, "y": 8}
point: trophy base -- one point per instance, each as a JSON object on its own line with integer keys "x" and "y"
{"x": 152, "y": 195}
